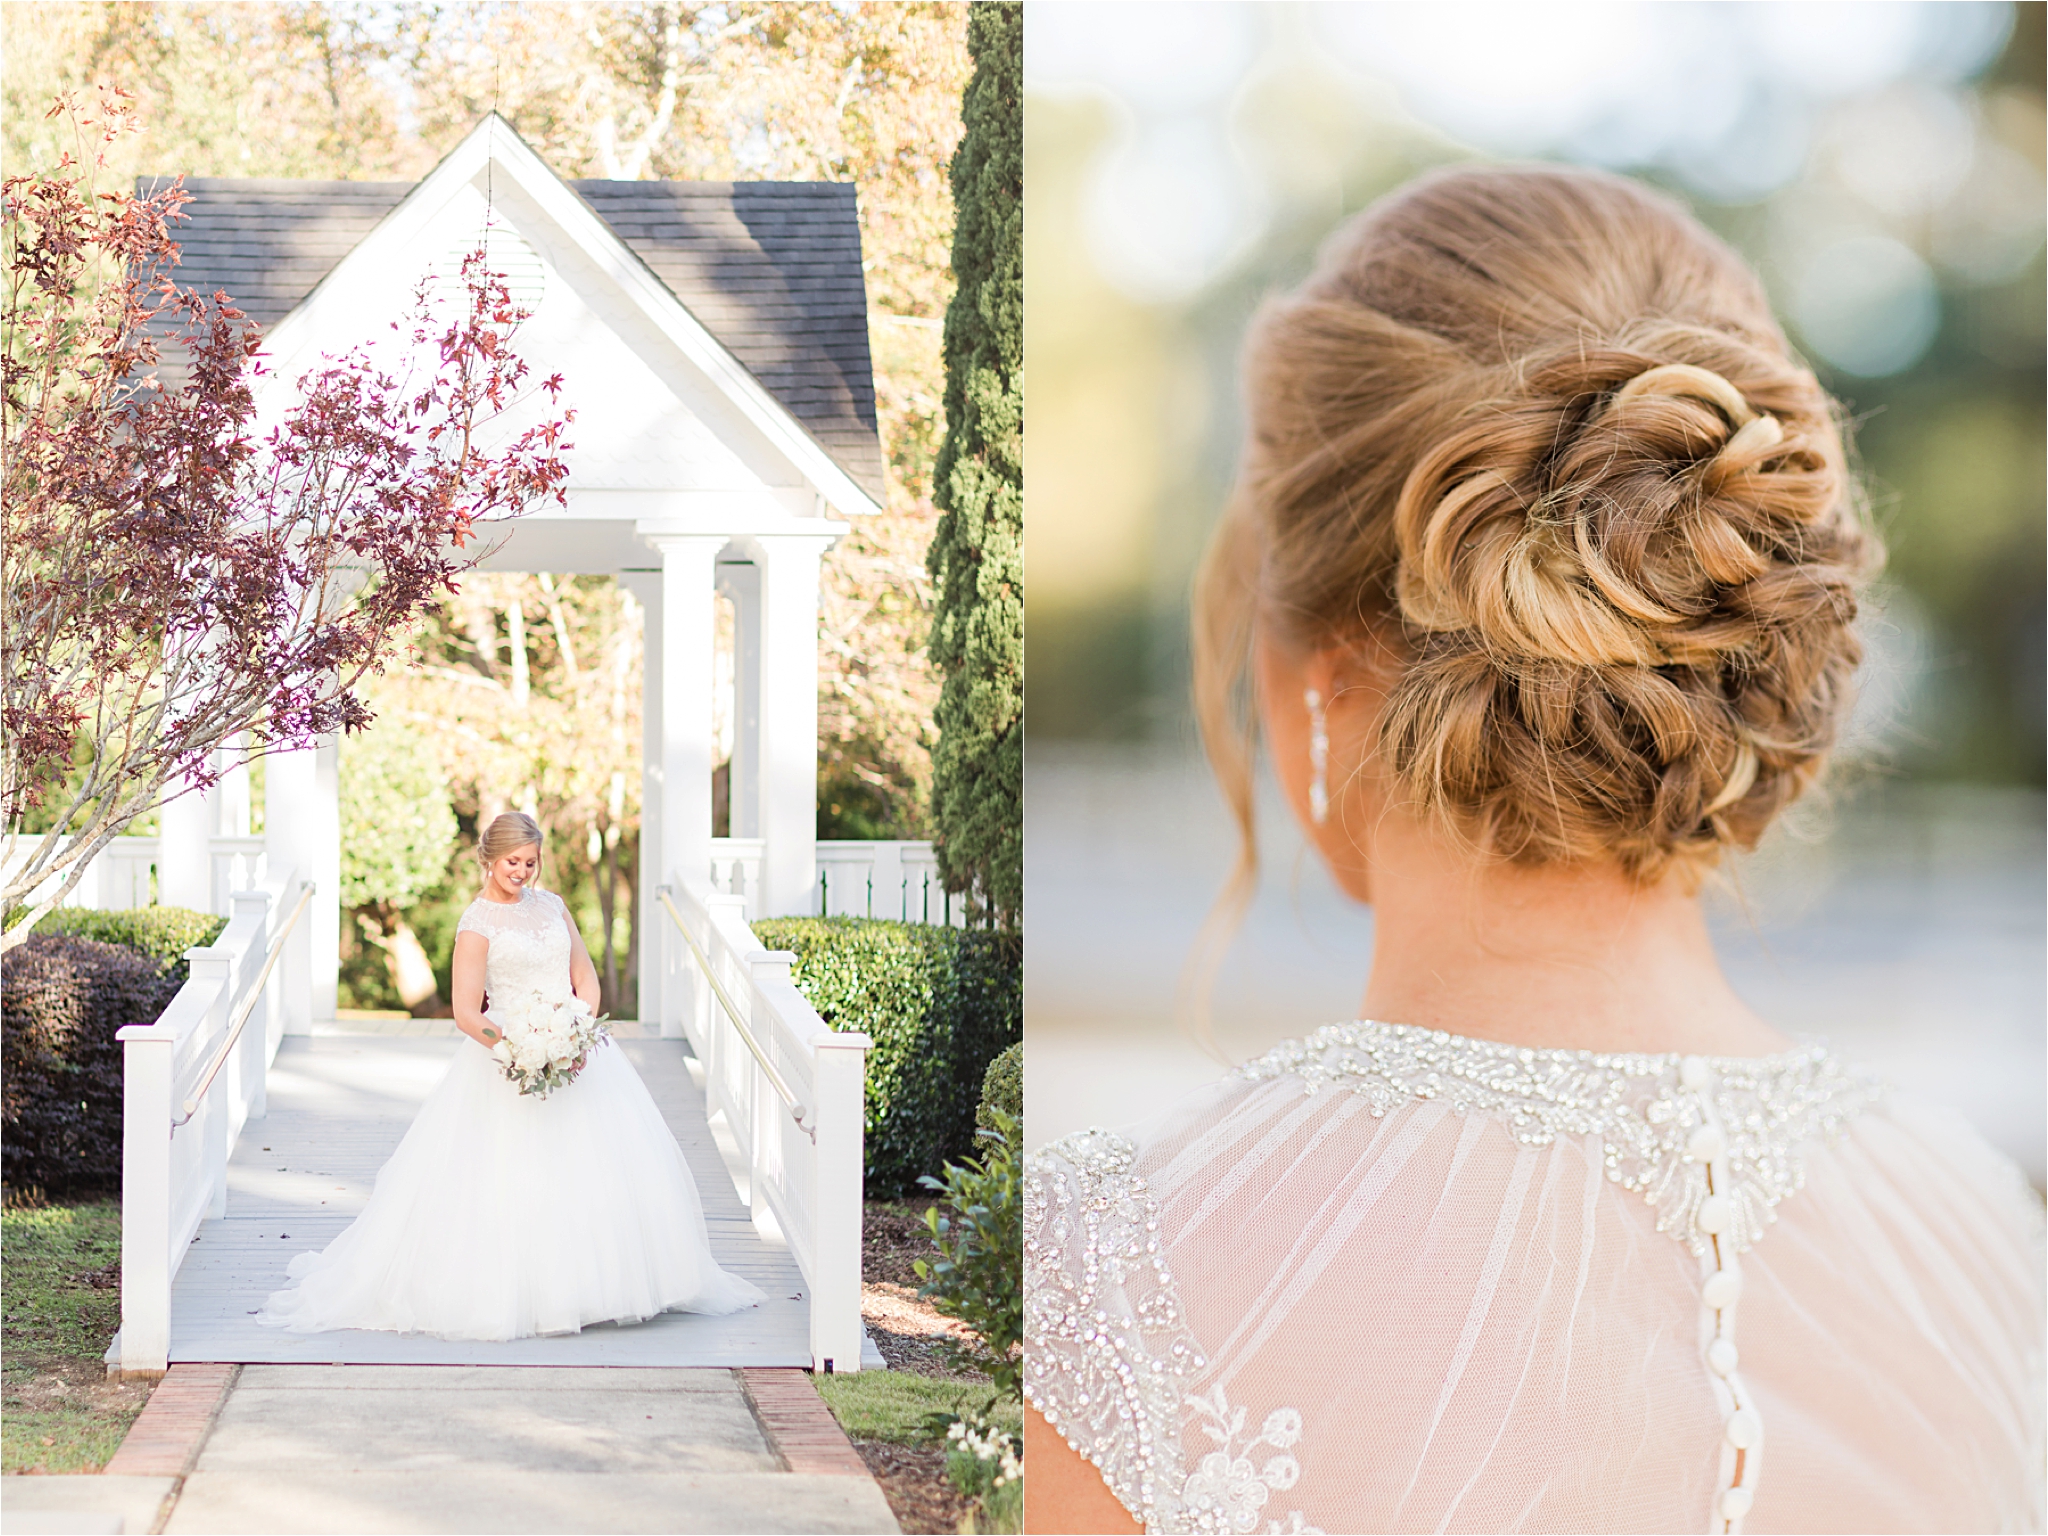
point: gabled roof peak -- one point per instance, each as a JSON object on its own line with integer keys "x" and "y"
{"x": 770, "y": 270}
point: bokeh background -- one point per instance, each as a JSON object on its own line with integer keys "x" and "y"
{"x": 1883, "y": 167}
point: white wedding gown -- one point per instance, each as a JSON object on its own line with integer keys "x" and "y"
{"x": 501, "y": 1216}
{"x": 1388, "y": 1279}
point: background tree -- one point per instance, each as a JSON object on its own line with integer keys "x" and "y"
{"x": 524, "y": 685}
{"x": 397, "y": 832}
{"x": 868, "y": 93}
{"x": 169, "y": 582}
{"x": 977, "y": 556}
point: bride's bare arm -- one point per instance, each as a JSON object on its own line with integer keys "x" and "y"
{"x": 471, "y": 949}
{"x": 1062, "y": 1492}
{"x": 582, "y": 973}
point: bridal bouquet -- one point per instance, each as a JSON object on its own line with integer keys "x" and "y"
{"x": 547, "y": 1040}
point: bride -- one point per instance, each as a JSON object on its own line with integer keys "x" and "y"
{"x": 502, "y": 1216}
{"x": 1541, "y": 574}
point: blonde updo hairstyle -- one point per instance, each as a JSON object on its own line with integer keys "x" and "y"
{"x": 513, "y": 830}
{"x": 1534, "y": 434}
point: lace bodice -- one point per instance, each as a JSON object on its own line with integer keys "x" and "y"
{"x": 1391, "y": 1279}
{"x": 529, "y": 943}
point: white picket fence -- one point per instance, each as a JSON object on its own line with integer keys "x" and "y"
{"x": 898, "y": 880}
{"x": 192, "y": 1080}
{"x": 856, "y": 878}
{"x": 790, "y": 1090}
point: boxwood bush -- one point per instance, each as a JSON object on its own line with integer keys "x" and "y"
{"x": 1002, "y": 1088}
{"x": 61, "y": 1000}
{"x": 939, "y": 1003}
{"x": 161, "y": 933}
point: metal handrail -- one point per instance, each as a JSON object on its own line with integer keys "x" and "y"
{"x": 775, "y": 1079}
{"x": 227, "y": 1046}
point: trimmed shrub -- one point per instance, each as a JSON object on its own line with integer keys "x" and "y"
{"x": 978, "y": 1276}
{"x": 1002, "y": 1087}
{"x": 162, "y": 933}
{"x": 61, "y": 1000}
{"x": 939, "y": 1003}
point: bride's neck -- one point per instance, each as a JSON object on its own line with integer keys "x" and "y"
{"x": 1574, "y": 957}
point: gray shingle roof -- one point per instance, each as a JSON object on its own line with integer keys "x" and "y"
{"x": 771, "y": 268}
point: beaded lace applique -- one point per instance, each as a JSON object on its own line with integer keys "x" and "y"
{"x": 1110, "y": 1357}
{"x": 1640, "y": 1106}
{"x": 529, "y": 943}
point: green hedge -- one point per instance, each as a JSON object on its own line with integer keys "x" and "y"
{"x": 1002, "y": 1087}
{"x": 162, "y": 933}
{"x": 61, "y": 1000}
{"x": 939, "y": 1003}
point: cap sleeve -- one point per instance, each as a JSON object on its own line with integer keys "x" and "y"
{"x": 1110, "y": 1356}
{"x": 472, "y": 921}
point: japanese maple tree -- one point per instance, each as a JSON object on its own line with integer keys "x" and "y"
{"x": 173, "y": 575}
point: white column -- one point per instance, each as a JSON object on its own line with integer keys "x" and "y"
{"x": 184, "y": 857}
{"x": 789, "y": 719}
{"x": 741, "y": 582}
{"x": 231, "y": 796}
{"x": 323, "y": 914}
{"x": 689, "y": 639}
{"x": 653, "y": 917}
{"x": 290, "y": 787}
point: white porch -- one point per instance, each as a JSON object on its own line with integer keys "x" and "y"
{"x": 338, "y": 1104}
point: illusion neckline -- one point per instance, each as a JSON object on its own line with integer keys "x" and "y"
{"x": 1804, "y": 1048}
{"x": 524, "y": 892}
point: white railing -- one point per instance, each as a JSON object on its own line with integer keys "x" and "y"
{"x": 237, "y": 864}
{"x": 897, "y": 880}
{"x": 120, "y": 875}
{"x": 192, "y": 1080}
{"x": 736, "y": 867}
{"x": 790, "y": 1090}
{"x": 123, "y": 873}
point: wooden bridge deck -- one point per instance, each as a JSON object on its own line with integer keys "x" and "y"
{"x": 338, "y": 1105}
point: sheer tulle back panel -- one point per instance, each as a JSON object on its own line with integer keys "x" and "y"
{"x": 1484, "y": 1335}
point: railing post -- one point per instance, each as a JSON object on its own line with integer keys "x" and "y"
{"x": 252, "y": 1054}
{"x": 148, "y": 1060}
{"x": 769, "y": 1116}
{"x": 213, "y": 964}
{"x": 703, "y": 1005}
{"x": 839, "y": 1080}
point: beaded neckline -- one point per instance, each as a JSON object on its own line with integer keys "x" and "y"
{"x": 1648, "y": 1110}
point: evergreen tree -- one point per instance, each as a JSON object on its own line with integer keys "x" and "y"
{"x": 977, "y": 554}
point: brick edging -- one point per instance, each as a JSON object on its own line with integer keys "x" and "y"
{"x": 165, "y": 1440}
{"x": 799, "y": 1426}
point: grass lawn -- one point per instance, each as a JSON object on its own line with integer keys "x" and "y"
{"x": 886, "y": 1414}
{"x": 60, "y": 1280}
{"x": 893, "y": 1406}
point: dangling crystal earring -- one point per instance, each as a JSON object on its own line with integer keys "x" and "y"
{"x": 1318, "y": 758}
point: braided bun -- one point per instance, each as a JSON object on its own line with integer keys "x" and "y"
{"x": 1537, "y": 430}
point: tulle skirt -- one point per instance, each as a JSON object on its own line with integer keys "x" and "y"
{"x": 502, "y": 1216}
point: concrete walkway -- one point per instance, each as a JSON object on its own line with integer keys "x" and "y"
{"x": 372, "y": 1449}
